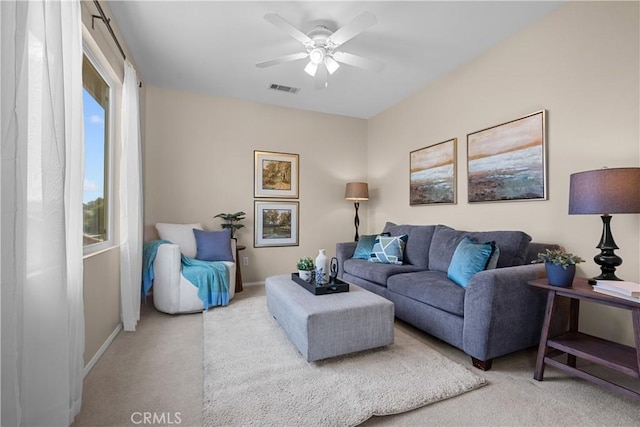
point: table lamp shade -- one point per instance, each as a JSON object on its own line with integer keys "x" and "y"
{"x": 357, "y": 191}
{"x": 605, "y": 191}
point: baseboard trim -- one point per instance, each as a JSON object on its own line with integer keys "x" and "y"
{"x": 89, "y": 366}
{"x": 253, "y": 284}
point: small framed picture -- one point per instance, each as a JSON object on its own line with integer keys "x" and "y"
{"x": 276, "y": 224}
{"x": 508, "y": 162}
{"x": 432, "y": 174}
{"x": 275, "y": 175}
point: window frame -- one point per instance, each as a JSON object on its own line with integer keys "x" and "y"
{"x": 109, "y": 155}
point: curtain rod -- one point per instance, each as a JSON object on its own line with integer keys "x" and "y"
{"x": 107, "y": 22}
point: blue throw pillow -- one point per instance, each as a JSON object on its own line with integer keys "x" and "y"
{"x": 389, "y": 249}
{"x": 468, "y": 259}
{"x": 213, "y": 245}
{"x": 365, "y": 246}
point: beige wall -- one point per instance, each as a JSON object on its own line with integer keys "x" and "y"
{"x": 581, "y": 64}
{"x": 101, "y": 299}
{"x": 199, "y": 162}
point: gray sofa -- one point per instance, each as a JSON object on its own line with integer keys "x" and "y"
{"x": 496, "y": 314}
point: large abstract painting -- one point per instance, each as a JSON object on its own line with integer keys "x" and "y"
{"x": 508, "y": 161}
{"x": 432, "y": 178}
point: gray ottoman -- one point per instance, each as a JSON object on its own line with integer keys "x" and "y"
{"x": 325, "y": 326}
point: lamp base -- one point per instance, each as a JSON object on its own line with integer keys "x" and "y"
{"x": 606, "y": 259}
{"x": 356, "y": 220}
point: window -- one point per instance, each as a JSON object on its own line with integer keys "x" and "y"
{"x": 96, "y": 200}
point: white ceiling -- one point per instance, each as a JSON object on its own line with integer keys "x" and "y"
{"x": 211, "y": 47}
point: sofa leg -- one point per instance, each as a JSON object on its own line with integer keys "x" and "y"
{"x": 483, "y": 365}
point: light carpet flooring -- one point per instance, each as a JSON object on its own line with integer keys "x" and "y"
{"x": 158, "y": 369}
{"x": 275, "y": 384}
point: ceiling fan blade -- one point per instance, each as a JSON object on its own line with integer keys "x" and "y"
{"x": 353, "y": 28}
{"x": 287, "y": 58}
{"x": 358, "y": 61}
{"x": 284, "y": 25}
{"x": 321, "y": 79}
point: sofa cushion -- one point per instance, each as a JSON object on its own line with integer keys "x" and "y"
{"x": 513, "y": 246}
{"x": 416, "y": 251}
{"x": 388, "y": 249}
{"x": 375, "y": 273}
{"x": 364, "y": 247}
{"x": 469, "y": 258}
{"x": 213, "y": 245}
{"x": 181, "y": 235}
{"x": 431, "y": 288}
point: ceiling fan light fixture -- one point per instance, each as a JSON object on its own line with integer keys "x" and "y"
{"x": 317, "y": 55}
{"x": 332, "y": 64}
{"x": 311, "y": 68}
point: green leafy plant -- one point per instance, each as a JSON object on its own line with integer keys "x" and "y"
{"x": 305, "y": 264}
{"x": 559, "y": 257}
{"x": 232, "y": 221}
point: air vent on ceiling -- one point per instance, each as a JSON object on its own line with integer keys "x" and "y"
{"x": 282, "y": 88}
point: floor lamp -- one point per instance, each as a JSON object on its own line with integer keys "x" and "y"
{"x": 604, "y": 192}
{"x": 357, "y": 191}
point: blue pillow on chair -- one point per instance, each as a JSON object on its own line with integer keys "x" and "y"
{"x": 213, "y": 245}
{"x": 468, "y": 259}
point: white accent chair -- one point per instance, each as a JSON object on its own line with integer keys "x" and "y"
{"x": 172, "y": 292}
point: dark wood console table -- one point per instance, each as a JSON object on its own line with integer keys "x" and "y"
{"x": 576, "y": 344}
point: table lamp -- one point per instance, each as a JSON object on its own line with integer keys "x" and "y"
{"x": 357, "y": 191}
{"x": 604, "y": 192}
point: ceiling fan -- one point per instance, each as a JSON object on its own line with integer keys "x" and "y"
{"x": 321, "y": 47}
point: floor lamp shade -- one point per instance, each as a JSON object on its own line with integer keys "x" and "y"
{"x": 356, "y": 191}
{"x": 604, "y": 192}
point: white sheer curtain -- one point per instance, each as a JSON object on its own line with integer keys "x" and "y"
{"x": 41, "y": 252}
{"x": 130, "y": 202}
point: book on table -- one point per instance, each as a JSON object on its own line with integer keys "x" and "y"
{"x": 604, "y": 291}
{"x": 630, "y": 289}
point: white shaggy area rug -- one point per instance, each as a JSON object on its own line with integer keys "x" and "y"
{"x": 253, "y": 375}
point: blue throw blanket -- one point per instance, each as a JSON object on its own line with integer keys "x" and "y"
{"x": 149, "y": 251}
{"x": 211, "y": 278}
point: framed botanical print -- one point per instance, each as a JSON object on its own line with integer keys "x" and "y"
{"x": 276, "y": 224}
{"x": 275, "y": 175}
{"x": 432, "y": 174}
{"x": 508, "y": 161}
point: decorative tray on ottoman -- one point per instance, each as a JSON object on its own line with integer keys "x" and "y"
{"x": 330, "y": 288}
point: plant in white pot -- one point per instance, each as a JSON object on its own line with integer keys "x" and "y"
{"x": 560, "y": 266}
{"x": 305, "y": 268}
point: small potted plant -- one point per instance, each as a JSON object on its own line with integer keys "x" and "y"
{"x": 305, "y": 268}
{"x": 232, "y": 221}
{"x": 560, "y": 266}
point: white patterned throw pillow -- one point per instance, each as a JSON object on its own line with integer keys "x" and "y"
{"x": 389, "y": 249}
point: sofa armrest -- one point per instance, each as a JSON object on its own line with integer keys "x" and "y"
{"x": 503, "y": 314}
{"x": 344, "y": 251}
